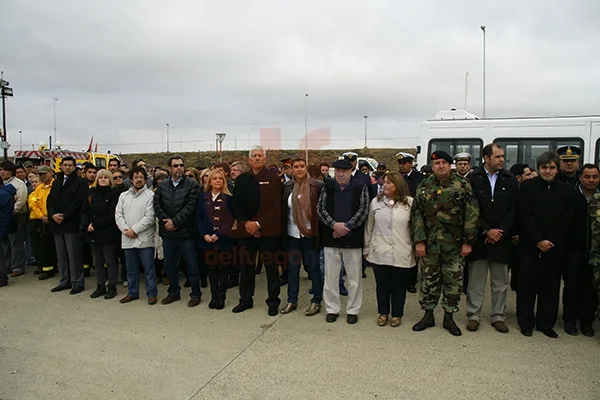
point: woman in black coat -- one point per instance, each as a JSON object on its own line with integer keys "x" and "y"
{"x": 214, "y": 222}
{"x": 98, "y": 223}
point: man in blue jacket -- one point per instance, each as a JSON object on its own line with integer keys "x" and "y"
{"x": 7, "y": 202}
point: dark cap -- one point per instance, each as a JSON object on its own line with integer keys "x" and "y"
{"x": 381, "y": 165}
{"x": 569, "y": 152}
{"x": 286, "y": 161}
{"x": 441, "y": 155}
{"x": 342, "y": 164}
{"x": 89, "y": 165}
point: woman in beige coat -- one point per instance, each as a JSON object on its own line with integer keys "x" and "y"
{"x": 389, "y": 247}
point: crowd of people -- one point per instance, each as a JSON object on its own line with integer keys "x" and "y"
{"x": 221, "y": 226}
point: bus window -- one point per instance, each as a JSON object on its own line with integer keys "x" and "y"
{"x": 455, "y": 146}
{"x": 100, "y": 162}
{"x": 526, "y": 151}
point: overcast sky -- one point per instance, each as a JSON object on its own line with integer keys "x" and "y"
{"x": 122, "y": 69}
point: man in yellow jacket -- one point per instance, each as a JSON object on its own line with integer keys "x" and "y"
{"x": 39, "y": 229}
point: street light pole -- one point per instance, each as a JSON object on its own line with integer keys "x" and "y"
{"x": 306, "y": 126}
{"x": 220, "y": 138}
{"x": 54, "y": 107}
{"x": 167, "y": 138}
{"x": 365, "y": 131}
{"x": 20, "y": 140}
{"x": 483, "y": 29}
{"x": 5, "y": 92}
{"x": 466, "y": 89}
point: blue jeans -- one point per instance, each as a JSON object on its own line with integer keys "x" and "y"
{"x": 322, "y": 268}
{"x": 302, "y": 249}
{"x": 187, "y": 248}
{"x": 134, "y": 259}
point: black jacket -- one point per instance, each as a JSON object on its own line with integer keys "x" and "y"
{"x": 572, "y": 181}
{"x": 546, "y": 213}
{"x": 366, "y": 180}
{"x": 99, "y": 210}
{"x": 413, "y": 179}
{"x": 177, "y": 203}
{"x": 359, "y": 210}
{"x": 580, "y": 235}
{"x": 499, "y": 212}
{"x": 67, "y": 199}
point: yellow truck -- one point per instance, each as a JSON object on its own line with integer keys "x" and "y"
{"x": 53, "y": 158}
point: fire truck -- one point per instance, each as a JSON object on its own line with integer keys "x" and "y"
{"x": 53, "y": 158}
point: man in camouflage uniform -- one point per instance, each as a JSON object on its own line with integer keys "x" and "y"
{"x": 595, "y": 244}
{"x": 445, "y": 221}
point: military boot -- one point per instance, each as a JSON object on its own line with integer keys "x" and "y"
{"x": 450, "y": 325}
{"x": 427, "y": 321}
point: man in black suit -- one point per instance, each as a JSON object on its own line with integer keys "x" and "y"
{"x": 413, "y": 178}
{"x": 377, "y": 187}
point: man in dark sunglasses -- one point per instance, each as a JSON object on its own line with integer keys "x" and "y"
{"x": 175, "y": 203}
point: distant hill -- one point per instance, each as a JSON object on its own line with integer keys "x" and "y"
{"x": 207, "y": 158}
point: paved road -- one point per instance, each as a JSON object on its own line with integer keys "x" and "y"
{"x": 57, "y": 346}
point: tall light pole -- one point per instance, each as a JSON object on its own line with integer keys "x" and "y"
{"x": 306, "y": 125}
{"x": 365, "y": 131}
{"x": 54, "y": 107}
{"x": 5, "y": 91}
{"x": 20, "y": 140}
{"x": 466, "y": 88}
{"x": 483, "y": 29}
{"x": 167, "y": 138}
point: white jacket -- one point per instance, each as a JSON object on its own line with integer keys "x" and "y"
{"x": 21, "y": 196}
{"x": 388, "y": 238}
{"x": 136, "y": 211}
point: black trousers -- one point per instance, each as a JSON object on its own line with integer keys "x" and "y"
{"x": 539, "y": 279}
{"x": 104, "y": 260}
{"x": 412, "y": 276}
{"x": 218, "y": 272}
{"x": 247, "y": 250}
{"x": 202, "y": 267}
{"x": 580, "y": 299}
{"x": 42, "y": 242}
{"x": 391, "y": 286}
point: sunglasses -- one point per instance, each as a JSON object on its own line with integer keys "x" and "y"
{"x": 117, "y": 177}
{"x": 177, "y": 165}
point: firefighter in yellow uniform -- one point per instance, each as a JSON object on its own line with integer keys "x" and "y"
{"x": 42, "y": 240}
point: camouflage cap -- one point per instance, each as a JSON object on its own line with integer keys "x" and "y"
{"x": 44, "y": 169}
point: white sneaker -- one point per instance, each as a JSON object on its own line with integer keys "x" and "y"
{"x": 125, "y": 283}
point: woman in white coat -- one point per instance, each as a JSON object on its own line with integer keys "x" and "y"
{"x": 389, "y": 247}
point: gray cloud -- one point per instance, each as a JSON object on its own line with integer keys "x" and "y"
{"x": 122, "y": 70}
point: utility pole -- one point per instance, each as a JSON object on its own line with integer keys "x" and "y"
{"x": 219, "y": 144}
{"x": 366, "y": 131}
{"x": 167, "y": 138}
{"x": 21, "y": 140}
{"x": 466, "y": 88}
{"x": 54, "y": 104}
{"x": 5, "y": 92}
{"x": 306, "y": 126}
{"x": 483, "y": 29}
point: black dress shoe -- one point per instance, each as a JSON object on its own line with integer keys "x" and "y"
{"x": 77, "y": 290}
{"x": 273, "y": 311}
{"x": 351, "y": 319}
{"x": 411, "y": 289}
{"x": 46, "y": 275}
{"x": 549, "y": 332}
{"x": 60, "y": 288}
{"x": 587, "y": 330}
{"x": 100, "y": 291}
{"x": 203, "y": 283}
{"x": 331, "y": 317}
{"x": 241, "y": 307}
{"x": 527, "y": 332}
{"x": 571, "y": 328}
{"x": 220, "y": 305}
{"x": 283, "y": 281}
{"x": 213, "y": 304}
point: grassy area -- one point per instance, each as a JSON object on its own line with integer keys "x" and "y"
{"x": 207, "y": 158}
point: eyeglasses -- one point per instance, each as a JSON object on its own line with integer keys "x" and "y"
{"x": 117, "y": 177}
{"x": 177, "y": 165}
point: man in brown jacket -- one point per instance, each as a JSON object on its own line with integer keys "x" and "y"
{"x": 256, "y": 205}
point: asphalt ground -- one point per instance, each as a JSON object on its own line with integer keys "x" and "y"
{"x": 57, "y": 346}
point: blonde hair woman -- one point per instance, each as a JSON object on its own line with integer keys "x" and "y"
{"x": 214, "y": 223}
{"x": 98, "y": 220}
{"x": 203, "y": 177}
{"x": 389, "y": 247}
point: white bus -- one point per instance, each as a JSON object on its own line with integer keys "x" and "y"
{"x": 523, "y": 139}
